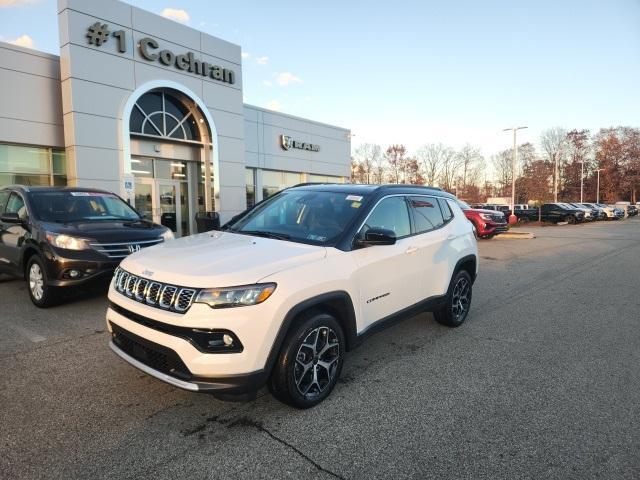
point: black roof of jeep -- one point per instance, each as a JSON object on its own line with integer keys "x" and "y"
{"x": 363, "y": 189}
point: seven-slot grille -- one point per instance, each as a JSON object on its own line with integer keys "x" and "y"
{"x": 121, "y": 250}
{"x": 156, "y": 294}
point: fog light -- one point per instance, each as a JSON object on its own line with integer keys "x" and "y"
{"x": 74, "y": 273}
{"x": 227, "y": 339}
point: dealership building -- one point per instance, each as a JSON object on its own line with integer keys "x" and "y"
{"x": 152, "y": 110}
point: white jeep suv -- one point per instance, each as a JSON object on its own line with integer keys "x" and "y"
{"x": 287, "y": 287}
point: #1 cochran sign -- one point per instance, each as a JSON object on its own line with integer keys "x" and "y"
{"x": 99, "y": 33}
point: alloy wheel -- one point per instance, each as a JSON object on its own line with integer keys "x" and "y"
{"x": 36, "y": 281}
{"x": 460, "y": 299}
{"x": 317, "y": 362}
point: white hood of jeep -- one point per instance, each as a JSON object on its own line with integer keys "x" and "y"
{"x": 219, "y": 259}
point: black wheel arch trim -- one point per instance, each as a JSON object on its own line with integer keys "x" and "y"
{"x": 327, "y": 302}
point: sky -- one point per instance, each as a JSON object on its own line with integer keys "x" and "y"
{"x": 415, "y": 72}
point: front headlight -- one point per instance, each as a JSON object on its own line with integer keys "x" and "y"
{"x": 236, "y": 296}
{"x": 167, "y": 235}
{"x": 486, "y": 216}
{"x": 67, "y": 242}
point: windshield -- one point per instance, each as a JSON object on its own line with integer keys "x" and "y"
{"x": 318, "y": 218}
{"x": 67, "y": 207}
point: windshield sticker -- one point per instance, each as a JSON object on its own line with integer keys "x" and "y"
{"x": 356, "y": 205}
{"x": 354, "y": 198}
{"x": 92, "y": 194}
{"x": 316, "y": 238}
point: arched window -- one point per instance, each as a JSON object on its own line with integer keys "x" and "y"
{"x": 160, "y": 114}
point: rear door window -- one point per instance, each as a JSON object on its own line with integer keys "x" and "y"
{"x": 426, "y": 213}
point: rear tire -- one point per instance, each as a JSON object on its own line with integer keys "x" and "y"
{"x": 309, "y": 362}
{"x": 456, "y": 309}
{"x": 41, "y": 293}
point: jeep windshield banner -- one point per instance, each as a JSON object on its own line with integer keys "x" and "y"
{"x": 288, "y": 143}
{"x": 98, "y": 34}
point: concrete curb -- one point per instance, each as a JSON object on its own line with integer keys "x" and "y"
{"x": 516, "y": 235}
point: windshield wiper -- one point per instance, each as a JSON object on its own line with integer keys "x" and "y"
{"x": 263, "y": 233}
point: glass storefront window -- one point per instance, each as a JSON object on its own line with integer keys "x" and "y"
{"x": 142, "y": 167}
{"x": 325, "y": 179}
{"x": 273, "y": 181}
{"x": 170, "y": 169}
{"x": 250, "y": 178}
{"x": 32, "y": 166}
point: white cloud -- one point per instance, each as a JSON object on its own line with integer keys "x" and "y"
{"x": 287, "y": 78}
{"x": 273, "y": 105}
{"x": 176, "y": 14}
{"x": 22, "y": 41}
{"x": 16, "y": 3}
{"x": 262, "y": 60}
{"x": 267, "y": 83}
{"x": 245, "y": 55}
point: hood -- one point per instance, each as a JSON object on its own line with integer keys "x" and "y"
{"x": 219, "y": 259}
{"x": 108, "y": 231}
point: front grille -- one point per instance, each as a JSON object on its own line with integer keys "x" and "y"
{"x": 121, "y": 250}
{"x": 498, "y": 218}
{"x": 156, "y": 294}
{"x": 151, "y": 354}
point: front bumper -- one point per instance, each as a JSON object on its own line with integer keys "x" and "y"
{"x": 59, "y": 264}
{"x": 492, "y": 228}
{"x": 164, "y": 364}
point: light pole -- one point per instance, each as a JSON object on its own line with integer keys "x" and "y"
{"x": 581, "y": 180}
{"x": 598, "y": 185}
{"x": 512, "y": 217}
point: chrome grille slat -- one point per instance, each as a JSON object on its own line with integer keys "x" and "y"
{"x": 121, "y": 250}
{"x": 155, "y": 294}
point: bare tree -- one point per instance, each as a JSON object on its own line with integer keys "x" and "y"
{"x": 369, "y": 156}
{"x": 397, "y": 160}
{"x": 554, "y": 145}
{"x": 470, "y": 160}
{"x": 431, "y": 158}
{"x": 503, "y": 167}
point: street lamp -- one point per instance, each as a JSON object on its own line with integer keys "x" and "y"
{"x": 581, "y": 180}
{"x": 512, "y": 217}
{"x": 598, "y": 187}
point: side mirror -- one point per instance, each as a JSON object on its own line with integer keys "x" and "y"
{"x": 377, "y": 236}
{"x": 10, "y": 218}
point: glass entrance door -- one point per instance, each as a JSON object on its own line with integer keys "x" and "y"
{"x": 159, "y": 201}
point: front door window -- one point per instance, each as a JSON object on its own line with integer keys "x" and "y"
{"x": 160, "y": 201}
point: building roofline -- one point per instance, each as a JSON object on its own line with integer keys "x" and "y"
{"x": 295, "y": 117}
{"x": 30, "y": 51}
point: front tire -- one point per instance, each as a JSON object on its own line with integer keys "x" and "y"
{"x": 41, "y": 293}
{"x": 310, "y": 361}
{"x": 456, "y": 308}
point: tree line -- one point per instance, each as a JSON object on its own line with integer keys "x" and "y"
{"x": 549, "y": 171}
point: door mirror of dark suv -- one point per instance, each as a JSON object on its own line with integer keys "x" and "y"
{"x": 377, "y": 236}
{"x": 10, "y": 217}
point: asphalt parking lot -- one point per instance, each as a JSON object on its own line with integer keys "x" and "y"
{"x": 543, "y": 381}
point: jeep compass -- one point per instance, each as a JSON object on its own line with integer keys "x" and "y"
{"x": 281, "y": 293}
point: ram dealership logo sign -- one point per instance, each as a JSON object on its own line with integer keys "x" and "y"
{"x": 288, "y": 143}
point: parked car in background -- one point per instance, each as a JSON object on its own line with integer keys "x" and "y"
{"x": 488, "y": 223}
{"x": 602, "y": 215}
{"x": 590, "y": 214}
{"x": 613, "y": 212}
{"x": 561, "y": 212}
{"x": 65, "y": 236}
{"x": 628, "y": 209}
{"x": 281, "y": 293}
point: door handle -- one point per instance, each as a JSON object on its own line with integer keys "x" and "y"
{"x": 411, "y": 250}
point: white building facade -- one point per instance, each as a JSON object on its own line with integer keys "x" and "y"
{"x": 152, "y": 110}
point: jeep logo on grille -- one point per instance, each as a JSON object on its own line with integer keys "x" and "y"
{"x": 134, "y": 247}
